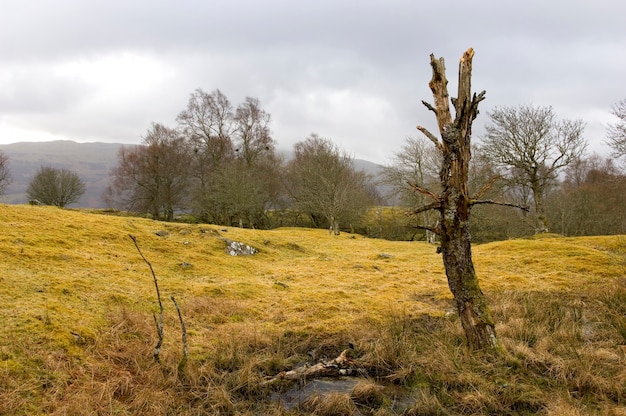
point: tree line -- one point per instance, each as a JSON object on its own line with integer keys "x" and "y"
{"x": 219, "y": 164}
{"x": 531, "y": 159}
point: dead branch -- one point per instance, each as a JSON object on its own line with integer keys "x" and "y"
{"x": 429, "y": 207}
{"x": 504, "y": 204}
{"x": 423, "y": 191}
{"x": 157, "y": 322}
{"x": 343, "y": 365}
{"x": 429, "y": 106}
{"x": 183, "y": 361}
{"x": 477, "y": 98}
{"x": 434, "y": 230}
{"x": 486, "y": 187}
{"x": 431, "y": 137}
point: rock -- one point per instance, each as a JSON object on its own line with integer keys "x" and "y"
{"x": 162, "y": 233}
{"x": 235, "y": 248}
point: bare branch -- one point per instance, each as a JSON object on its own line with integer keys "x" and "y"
{"x": 486, "y": 187}
{"x": 434, "y": 230}
{"x": 478, "y": 98}
{"x": 504, "y": 204}
{"x": 431, "y": 137}
{"x": 429, "y": 106}
{"x": 157, "y": 322}
{"x": 424, "y": 192}
{"x": 183, "y": 361}
{"x": 429, "y": 207}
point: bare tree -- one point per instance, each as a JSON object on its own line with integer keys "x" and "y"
{"x": 153, "y": 177}
{"x": 616, "y": 133}
{"x": 52, "y": 186}
{"x": 255, "y": 177}
{"x": 493, "y": 221}
{"x": 416, "y": 163}
{"x": 454, "y": 202}
{"x": 322, "y": 182}
{"x": 253, "y": 138}
{"x": 5, "y": 175}
{"x": 533, "y": 146}
{"x": 208, "y": 124}
{"x": 591, "y": 200}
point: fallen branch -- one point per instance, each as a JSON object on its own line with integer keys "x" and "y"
{"x": 343, "y": 365}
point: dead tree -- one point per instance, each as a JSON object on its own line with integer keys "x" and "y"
{"x": 453, "y": 202}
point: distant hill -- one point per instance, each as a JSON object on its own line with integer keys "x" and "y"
{"x": 92, "y": 162}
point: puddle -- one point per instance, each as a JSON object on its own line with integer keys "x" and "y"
{"x": 293, "y": 397}
{"x": 297, "y": 394}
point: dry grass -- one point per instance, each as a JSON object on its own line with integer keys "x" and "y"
{"x": 77, "y": 336}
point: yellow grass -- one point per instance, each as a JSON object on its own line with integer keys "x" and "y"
{"x": 73, "y": 289}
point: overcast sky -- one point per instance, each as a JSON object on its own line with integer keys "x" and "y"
{"x": 353, "y": 71}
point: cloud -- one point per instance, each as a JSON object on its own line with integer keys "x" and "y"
{"x": 352, "y": 71}
{"x": 101, "y": 97}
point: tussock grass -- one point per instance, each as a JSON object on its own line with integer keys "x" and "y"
{"x": 76, "y": 302}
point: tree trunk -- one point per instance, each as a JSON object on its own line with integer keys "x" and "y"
{"x": 455, "y": 204}
{"x": 469, "y": 299}
{"x": 334, "y": 225}
{"x": 542, "y": 220}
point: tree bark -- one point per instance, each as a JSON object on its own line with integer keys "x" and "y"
{"x": 542, "y": 219}
{"x": 454, "y": 201}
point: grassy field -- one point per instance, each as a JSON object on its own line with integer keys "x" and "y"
{"x": 77, "y": 334}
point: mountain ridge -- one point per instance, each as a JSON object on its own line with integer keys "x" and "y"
{"x": 91, "y": 160}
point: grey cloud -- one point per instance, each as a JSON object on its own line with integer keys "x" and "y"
{"x": 34, "y": 89}
{"x": 351, "y": 70}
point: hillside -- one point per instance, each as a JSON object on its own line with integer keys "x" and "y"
{"x": 76, "y": 302}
